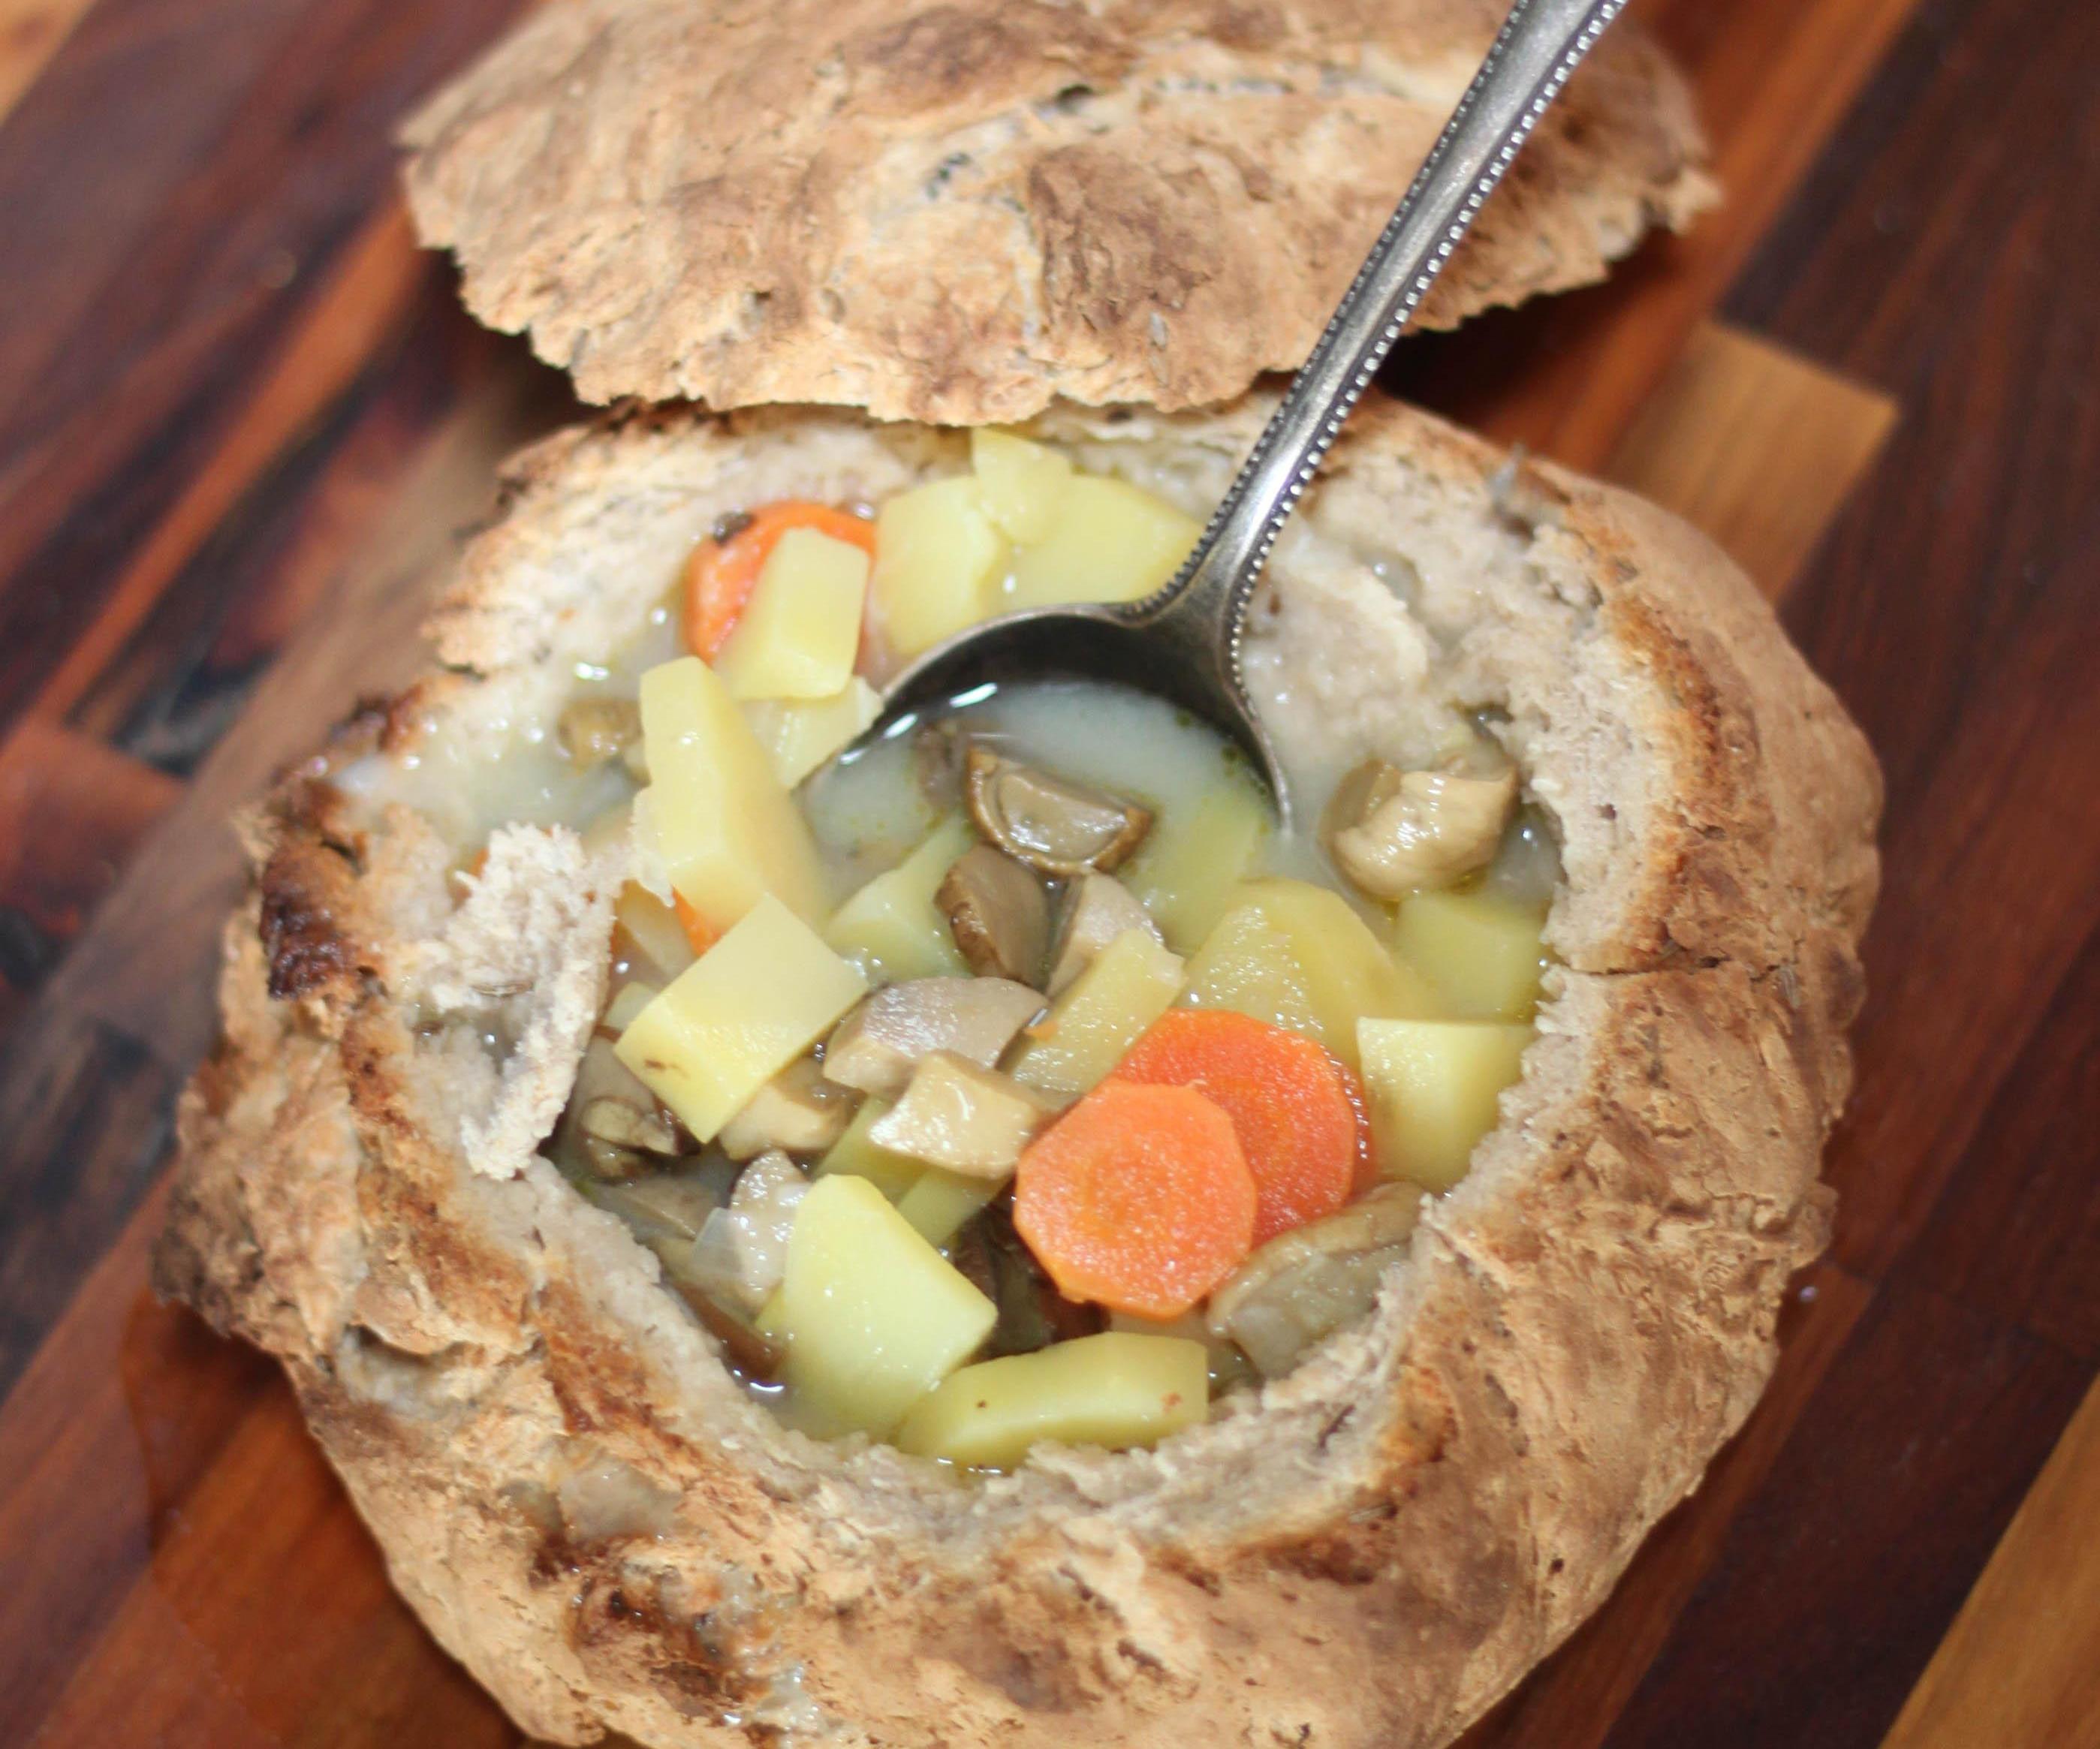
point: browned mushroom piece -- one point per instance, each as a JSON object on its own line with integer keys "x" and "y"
{"x": 1305, "y": 1284}
{"x": 798, "y": 1110}
{"x": 666, "y": 1211}
{"x": 1096, "y": 909}
{"x": 877, "y": 1045}
{"x": 1394, "y": 832}
{"x": 959, "y": 1115}
{"x": 614, "y": 1124}
{"x": 1052, "y": 824}
{"x": 620, "y": 1123}
{"x": 998, "y": 913}
{"x": 593, "y": 730}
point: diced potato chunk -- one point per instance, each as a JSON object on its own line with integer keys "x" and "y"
{"x": 936, "y": 1203}
{"x": 738, "y": 1015}
{"x": 1117, "y": 1389}
{"x": 1299, "y": 956}
{"x": 873, "y": 1317}
{"x": 938, "y": 559}
{"x": 801, "y": 734}
{"x": 799, "y": 633}
{"x": 1481, "y": 954}
{"x": 655, "y": 941}
{"x": 892, "y": 928}
{"x": 1132, "y": 981}
{"x": 942, "y": 1203}
{"x": 1433, "y": 1087}
{"x": 714, "y": 814}
{"x": 1112, "y": 543}
{"x": 1021, "y": 485}
{"x": 1185, "y": 873}
{"x": 857, "y": 1154}
{"x": 628, "y": 1001}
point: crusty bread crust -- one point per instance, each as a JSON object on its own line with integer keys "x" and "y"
{"x": 588, "y": 1512}
{"x": 1143, "y": 200}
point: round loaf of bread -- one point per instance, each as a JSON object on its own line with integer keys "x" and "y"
{"x": 965, "y": 209}
{"x": 612, "y": 1535}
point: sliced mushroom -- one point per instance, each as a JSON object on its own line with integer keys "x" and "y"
{"x": 623, "y": 1123}
{"x": 1394, "y": 832}
{"x": 1097, "y": 908}
{"x": 1048, "y": 822}
{"x": 997, "y": 912}
{"x": 613, "y": 1123}
{"x": 1305, "y": 1285}
{"x": 742, "y": 1250}
{"x": 877, "y": 1045}
{"x": 593, "y": 730}
{"x": 666, "y": 1211}
{"x": 798, "y": 1110}
{"x": 958, "y": 1114}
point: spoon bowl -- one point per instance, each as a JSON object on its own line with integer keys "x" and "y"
{"x": 1183, "y": 643}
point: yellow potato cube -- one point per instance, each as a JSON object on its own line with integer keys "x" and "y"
{"x": 1132, "y": 981}
{"x": 1021, "y": 485}
{"x": 1112, "y": 543}
{"x": 938, "y": 560}
{"x": 935, "y": 1203}
{"x": 939, "y": 1204}
{"x": 1482, "y": 955}
{"x": 1117, "y": 1389}
{"x": 891, "y": 928}
{"x": 653, "y": 940}
{"x": 1186, "y": 871}
{"x": 714, "y": 815}
{"x": 1433, "y": 1087}
{"x": 1246, "y": 964}
{"x": 628, "y": 1003}
{"x": 857, "y": 1154}
{"x": 738, "y": 1015}
{"x": 801, "y": 734}
{"x": 799, "y": 633}
{"x": 1299, "y": 956}
{"x": 873, "y": 1317}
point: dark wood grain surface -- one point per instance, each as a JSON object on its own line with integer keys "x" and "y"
{"x": 242, "y": 418}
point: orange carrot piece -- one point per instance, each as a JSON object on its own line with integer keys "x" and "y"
{"x": 722, "y": 573}
{"x": 698, "y": 931}
{"x": 1137, "y": 1198}
{"x": 1302, "y": 1135}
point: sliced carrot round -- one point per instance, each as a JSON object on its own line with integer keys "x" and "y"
{"x": 722, "y": 573}
{"x": 1137, "y": 1198}
{"x": 1299, "y": 1121}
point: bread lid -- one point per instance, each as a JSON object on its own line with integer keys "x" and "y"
{"x": 961, "y": 210}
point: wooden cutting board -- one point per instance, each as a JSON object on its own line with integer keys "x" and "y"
{"x": 234, "y": 533}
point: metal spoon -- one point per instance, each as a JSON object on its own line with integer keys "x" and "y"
{"x": 1184, "y": 642}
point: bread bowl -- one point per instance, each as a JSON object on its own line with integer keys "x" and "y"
{"x": 586, "y": 1509}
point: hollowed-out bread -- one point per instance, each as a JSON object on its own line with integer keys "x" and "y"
{"x": 964, "y": 209}
{"x": 612, "y": 1534}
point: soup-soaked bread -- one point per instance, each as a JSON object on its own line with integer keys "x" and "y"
{"x": 964, "y": 209}
{"x": 612, "y": 1535}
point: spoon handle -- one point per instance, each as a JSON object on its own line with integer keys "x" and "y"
{"x": 1541, "y": 44}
